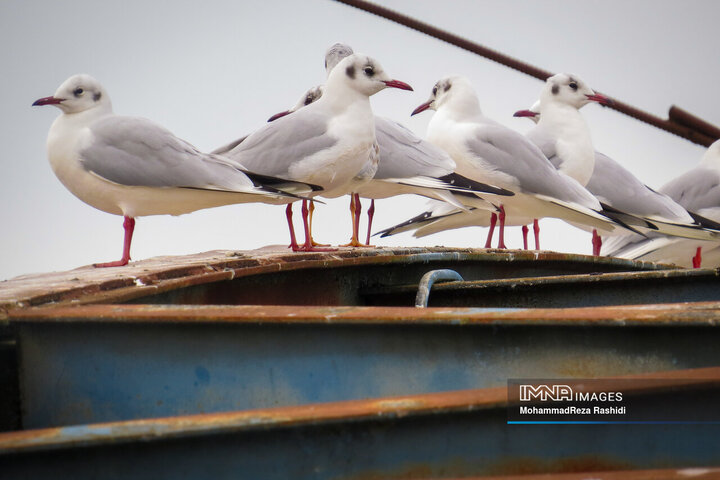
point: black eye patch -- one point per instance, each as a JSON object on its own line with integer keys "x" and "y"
{"x": 97, "y": 96}
{"x": 555, "y": 89}
{"x": 350, "y": 71}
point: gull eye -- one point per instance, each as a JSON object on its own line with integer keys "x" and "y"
{"x": 78, "y": 91}
{"x": 308, "y": 100}
{"x": 574, "y": 86}
{"x": 435, "y": 90}
{"x": 369, "y": 71}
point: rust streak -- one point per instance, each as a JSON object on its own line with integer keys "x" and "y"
{"x": 679, "y": 314}
{"x": 315, "y": 414}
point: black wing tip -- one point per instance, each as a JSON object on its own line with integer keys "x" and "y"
{"x": 616, "y": 215}
{"x": 704, "y": 221}
{"x": 416, "y": 219}
{"x": 260, "y": 180}
{"x": 461, "y": 182}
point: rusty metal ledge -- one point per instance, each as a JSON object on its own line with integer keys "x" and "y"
{"x": 317, "y": 414}
{"x": 92, "y": 285}
{"x": 676, "y": 315}
{"x": 562, "y": 279}
{"x": 694, "y": 473}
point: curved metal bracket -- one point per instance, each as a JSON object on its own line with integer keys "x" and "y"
{"x": 426, "y": 283}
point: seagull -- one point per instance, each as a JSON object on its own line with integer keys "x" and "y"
{"x": 330, "y": 143}
{"x": 407, "y": 163}
{"x": 698, "y": 191}
{"x": 486, "y": 151}
{"x": 619, "y": 189}
{"x": 133, "y": 167}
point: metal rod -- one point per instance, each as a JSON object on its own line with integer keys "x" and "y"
{"x": 427, "y": 281}
{"x": 686, "y": 131}
{"x": 677, "y": 114}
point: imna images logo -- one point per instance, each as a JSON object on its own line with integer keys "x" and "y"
{"x": 553, "y": 393}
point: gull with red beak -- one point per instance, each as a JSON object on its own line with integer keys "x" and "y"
{"x": 562, "y": 133}
{"x": 489, "y": 152}
{"x": 561, "y": 139}
{"x": 133, "y": 167}
{"x": 331, "y": 142}
{"x": 407, "y": 164}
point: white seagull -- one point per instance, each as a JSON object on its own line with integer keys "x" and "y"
{"x": 133, "y": 167}
{"x": 407, "y": 163}
{"x": 330, "y": 143}
{"x": 617, "y": 188}
{"x": 491, "y": 153}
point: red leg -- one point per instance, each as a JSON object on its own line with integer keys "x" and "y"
{"x": 308, "y": 246}
{"x": 355, "y": 211}
{"x": 493, "y": 221}
{"x": 596, "y": 243}
{"x": 536, "y": 231}
{"x": 697, "y": 259}
{"x": 501, "y": 217}
{"x": 371, "y": 214}
{"x": 525, "y": 233}
{"x": 310, "y": 222}
{"x": 129, "y": 226}
{"x": 358, "y": 211}
{"x": 293, "y": 240}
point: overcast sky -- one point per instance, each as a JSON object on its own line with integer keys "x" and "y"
{"x": 215, "y": 70}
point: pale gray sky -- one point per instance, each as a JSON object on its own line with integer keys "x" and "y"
{"x": 212, "y": 71}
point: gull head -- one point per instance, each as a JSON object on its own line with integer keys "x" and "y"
{"x": 533, "y": 113}
{"x": 570, "y": 90}
{"x": 455, "y": 92}
{"x": 362, "y": 74}
{"x": 311, "y": 96}
{"x": 336, "y": 53}
{"x": 77, "y": 94}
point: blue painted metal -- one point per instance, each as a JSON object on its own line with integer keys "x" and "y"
{"x": 400, "y": 441}
{"x": 106, "y": 369}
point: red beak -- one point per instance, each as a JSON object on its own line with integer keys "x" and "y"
{"x": 421, "y": 108}
{"x": 524, "y": 113}
{"x": 47, "y": 101}
{"x": 398, "y": 84}
{"x": 601, "y": 99}
{"x": 278, "y": 115}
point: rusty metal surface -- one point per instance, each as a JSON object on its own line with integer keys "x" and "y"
{"x": 563, "y": 291}
{"x": 353, "y": 410}
{"x": 672, "y": 315}
{"x": 98, "y": 363}
{"x": 162, "y": 274}
{"x": 436, "y": 436}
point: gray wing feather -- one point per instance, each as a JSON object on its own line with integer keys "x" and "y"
{"x": 512, "y": 153}
{"x": 403, "y": 154}
{"x": 547, "y": 145}
{"x": 229, "y": 146}
{"x": 134, "y": 151}
{"x": 272, "y": 149}
{"x": 697, "y": 189}
{"x": 619, "y": 188}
